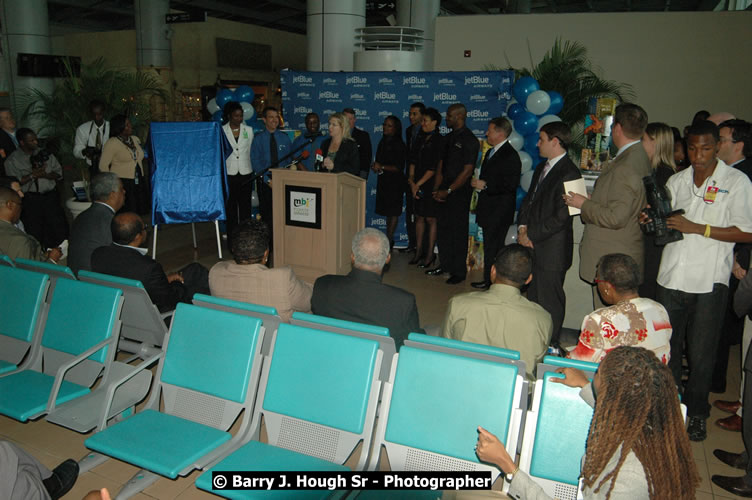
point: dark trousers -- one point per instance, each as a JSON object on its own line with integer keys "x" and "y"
{"x": 238, "y": 207}
{"x": 547, "y": 290}
{"x": 44, "y": 219}
{"x": 136, "y": 196}
{"x": 410, "y": 218}
{"x": 453, "y": 226}
{"x": 696, "y": 320}
{"x": 493, "y": 241}
{"x": 747, "y": 420}
{"x": 195, "y": 280}
{"x": 731, "y": 334}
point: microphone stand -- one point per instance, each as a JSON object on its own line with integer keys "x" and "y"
{"x": 276, "y": 164}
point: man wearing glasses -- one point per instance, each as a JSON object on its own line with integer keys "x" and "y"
{"x": 14, "y": 242}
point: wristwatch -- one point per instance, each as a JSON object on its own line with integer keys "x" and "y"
{"x": 510, "y": 476}
{"x": 449, "y": 191}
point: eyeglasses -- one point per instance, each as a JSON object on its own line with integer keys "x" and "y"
{"x": 600, "y": 281}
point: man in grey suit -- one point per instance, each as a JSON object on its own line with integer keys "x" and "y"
{"x": 612, "y": 212}
{"x": 91, "y": 229}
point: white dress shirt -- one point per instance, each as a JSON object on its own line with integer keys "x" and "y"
{"x": 86, "y": 135}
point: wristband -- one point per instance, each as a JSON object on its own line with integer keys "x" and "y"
{"x": 511, "y": 475}
{"x": 707, "y": 231}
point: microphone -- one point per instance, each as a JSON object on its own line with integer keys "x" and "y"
{"x": 319, "y": 161}
{"x": 303, "y": 156}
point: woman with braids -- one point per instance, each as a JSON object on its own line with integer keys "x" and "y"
{"x": 637, "y": 447}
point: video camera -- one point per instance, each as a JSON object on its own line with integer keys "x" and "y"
{"x": 39, "y": 158}
{"x": 659, "y": 211}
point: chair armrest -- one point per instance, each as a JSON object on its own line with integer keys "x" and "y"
{"x": 167, "y": 314}
{"x": 60, "y": 375}
{"x": 113, "y": 385}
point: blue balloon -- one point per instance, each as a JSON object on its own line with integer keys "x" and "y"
{"x": 217, "y": 116}
{"x": 557, "y": 103}
{"x": 224, "y": 96}
{"x": 514, "y": 110}
{"x": 521, "y": 193}
{"x": 244, "y": 93}
{"x": 531, "y": 145}
{"x": 523, "y": 88}
{"x": 526, "y": 123}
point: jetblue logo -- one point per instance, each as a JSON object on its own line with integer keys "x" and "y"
{"x": 360, "y": 97}
{"x": 476, "y": 79}
{"x": 304, "y": 95}
{"x": 328, "y": 112}
{"x": 329, "y": 81}
{"x": 381, "y": 221}
{"x": 284, "y": 93}
{"x": 377, "y": 129}
{"x": 478, "y": 132}
{"x": 476, "y": 113}
{"x": 444, "y": 130}
{"x": 328, "y": 94}
{"x": 405, "y": 114}
{"x": 446, "y": 81}
{"x": 413, "y": 80}
{"x": 415, "y": 97}
{"x": 384, "y": 95}
{"x": 444, "y": 96}
{"x": 384, "y": 113}
{"x": 477, "y": 97}
{"x": 386, "y": 81}
{"x": 302, "y": 79}
{"x": 351, "y": 80}
{"x": 302, "y": 109}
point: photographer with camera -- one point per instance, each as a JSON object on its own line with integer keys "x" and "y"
{"x": 38, "y": 172}
{"x": 91, "y": 136}
{"x": 694, "y": 273}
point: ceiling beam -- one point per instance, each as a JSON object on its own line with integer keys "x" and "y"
{"x": 106, "y": 7}
{"x": 234, "y": 10}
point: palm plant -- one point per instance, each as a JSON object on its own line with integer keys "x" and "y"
{"x": 67, "y": 107}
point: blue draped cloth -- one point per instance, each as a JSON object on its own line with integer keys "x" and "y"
{"x": 189, "y": 182}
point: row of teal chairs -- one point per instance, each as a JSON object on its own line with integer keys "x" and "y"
{"x": 317, "y": 384}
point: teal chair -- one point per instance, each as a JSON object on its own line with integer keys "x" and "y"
{"x": 318, "y": 398}
{"x": 378, "y": 333}
{"x": 207, "y": 376}
{"x": 77, "y": 346}
{"x": 54, "y": 271}
{"x": 432, "y": 406}
{"x": 23, "y": 313}
{"x": 551, "y": 452}
{"x": 143, "y": 328}
{"x": 6, "y": 261}
{"x": 268, "y": 315}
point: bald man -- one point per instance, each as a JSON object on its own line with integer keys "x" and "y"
{"x": 721, "y": 117}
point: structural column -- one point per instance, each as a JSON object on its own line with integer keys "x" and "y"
{"x": 331, "y": 28}
{"x": 420, "y": 14}
{"x": 152, "y": 34}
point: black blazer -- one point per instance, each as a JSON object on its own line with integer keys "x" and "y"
{"x": 496, "y": 203}
{"x": 362, "y": 297}
{"x": 549, "y": 225}
{"x": 346, "y": 159}
{"x": 365, "y": 152}
{"x": 7, "y": 145}
{"x": 128, "y": 263}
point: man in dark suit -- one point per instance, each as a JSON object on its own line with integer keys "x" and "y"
{"x": 363, "y": 140}
{"x": 8, "y": 142}
{"x": 91, "y": 229}
{"x": 126, "y": 258}
{"x": 361, "y": 296}
{"x": 497, "y": 192}
{"x": 545, "y": 224}
{"x": 411, "y": 135}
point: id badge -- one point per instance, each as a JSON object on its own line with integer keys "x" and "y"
{"x": 245, "y": 134}
{"x": 710, "y": 194}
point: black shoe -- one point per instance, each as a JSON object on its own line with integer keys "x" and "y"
{"x": 736, "y": 485}
{"x": 437, "y": 271}
{"x": 697, "y": 429}
{"x": 62, "y": 479}
{"x": 414, "y": 260}
{"x": 425, "y": 264}
{"x": 453, "y": 280}
{"x": 480, "y": 284}
{"x": 406, "y": 250}
{"x": 736, "y": 460}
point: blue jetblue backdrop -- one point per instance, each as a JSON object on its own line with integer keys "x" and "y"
{"x": 376, "y": 95}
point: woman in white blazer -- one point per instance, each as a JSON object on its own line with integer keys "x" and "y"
{"x": 238, "y": 167}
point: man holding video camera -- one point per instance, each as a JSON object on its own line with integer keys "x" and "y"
{"x": 90, "y": 136}
{"x": 694, "y": 272}
{"x": 38, "y": 172}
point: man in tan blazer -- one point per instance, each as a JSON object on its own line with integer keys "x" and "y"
{"x": 247, "y": 279}
{"x": 611, "y": 214}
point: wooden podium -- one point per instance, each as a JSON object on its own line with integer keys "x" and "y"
{"x": 315, "y": 217}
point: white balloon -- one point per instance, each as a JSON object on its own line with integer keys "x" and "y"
{"x": 527, "y": 165}
{"x": 212, "y": 106}
{"x": 547, "y": 119}
{"x": 538, "y": 102}
{"x": 247, "y": 110}
{"x": 516, "y": 140}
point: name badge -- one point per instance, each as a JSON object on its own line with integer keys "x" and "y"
{"x": 245, "y": 134}
{"x": 710, "y": 194}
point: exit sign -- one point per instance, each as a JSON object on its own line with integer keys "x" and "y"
{"x": 185, "y": 17}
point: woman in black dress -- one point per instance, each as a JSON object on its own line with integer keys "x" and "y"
{"x": 425, "y": 158}
{"x": 658, "y": 141}
{"x": 340, "y": 150}
{"x": 390, "y": 165}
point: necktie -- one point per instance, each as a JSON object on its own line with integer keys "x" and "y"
{"x": 546, "y": 169}
{"x": 98, "y": 144}
{"x": 273, "y": 150}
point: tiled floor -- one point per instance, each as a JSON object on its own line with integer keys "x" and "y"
{"x": 52, "y": 444}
